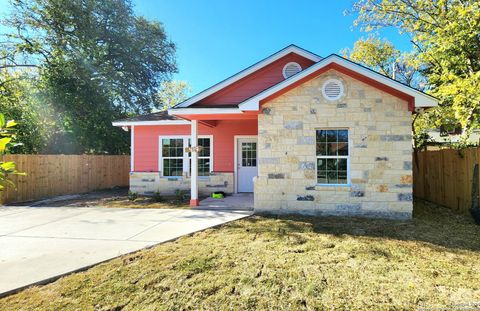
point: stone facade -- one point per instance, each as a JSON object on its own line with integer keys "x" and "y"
{"x": 147, "y": 183}
{"x": 380, "y": 152}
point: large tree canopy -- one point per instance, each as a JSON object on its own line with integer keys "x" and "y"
{"x": 97, "y": 61}
{"x": 382, "y": 56}
{"x": 446, "y": 37}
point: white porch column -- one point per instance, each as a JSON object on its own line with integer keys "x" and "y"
{"x": 194, "y": 168}
{"x": 132, "y": 149}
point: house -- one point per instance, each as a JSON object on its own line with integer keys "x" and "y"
{"x": 441, "y": 138}
{"x": 305, "y": 134}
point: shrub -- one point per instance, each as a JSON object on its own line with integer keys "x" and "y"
{"x": 132, "y": 196}
{"x": 180, "y": 195}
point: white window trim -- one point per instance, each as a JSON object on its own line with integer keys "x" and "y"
{"x": 185, "y": 157}
{"x": 288, "y": 64}
{"x": 349, "y": 182}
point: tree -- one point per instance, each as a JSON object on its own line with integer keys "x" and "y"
{"x": 172, "y": 93}
{"x": 97, "y": 61}
{"x": 7, "y": 136}
{"x": 383, "y": 57}
{"x": 17, "y": 100}
{"x": 379, "y": 55}
{"x": 446, "y": 38}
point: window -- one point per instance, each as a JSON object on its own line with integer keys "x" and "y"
{"x": 174, "y": 161}
{"x": 172, "y": 154}
{"x": 203, "y": 157}
{"x": 332, "y": 156}
{"x": 249, "y": 154}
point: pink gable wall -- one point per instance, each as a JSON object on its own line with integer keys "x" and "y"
{"x": 254, "y": 83}
{"x": 146, "y": 142}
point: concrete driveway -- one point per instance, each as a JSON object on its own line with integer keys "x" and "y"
{"x": 40, "y": 244}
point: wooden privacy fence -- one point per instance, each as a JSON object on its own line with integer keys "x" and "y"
{"x": 53, "y": 175}
{"x": 445, "y": 177}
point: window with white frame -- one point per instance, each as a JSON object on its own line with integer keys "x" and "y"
{"x": 204, "y": 157}
{"x": 332, "y": 156}
{"x": 174, "y": 161}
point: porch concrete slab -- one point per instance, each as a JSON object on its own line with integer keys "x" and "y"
{"x": 237, "y": 201}
{"x": 40, "y": 244}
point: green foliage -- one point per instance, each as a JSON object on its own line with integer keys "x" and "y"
{"x": 446, "y": 38}
{"x": 7, "y": 138}
{"x": 379, "y": 55}
{"x": 95, "y": 62}
{"x": 17, "y": 100}
{"x": 172, "y": 93}
{"x": 382, "y": 56}
{"x": 132, "y": 196}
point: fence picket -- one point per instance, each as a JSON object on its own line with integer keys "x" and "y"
{"x": 53, "y": 175}
{"x": 445, "y": 177}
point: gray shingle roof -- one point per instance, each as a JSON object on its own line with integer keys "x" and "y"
{"x": 155, "y": 116}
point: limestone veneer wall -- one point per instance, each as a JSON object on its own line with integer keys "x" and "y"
{"x": 380, "y": 151}
{"x": 147, "y": 183}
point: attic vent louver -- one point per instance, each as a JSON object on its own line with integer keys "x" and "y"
{"x": 290, "y": 69}
{"x": 332, "y": 89}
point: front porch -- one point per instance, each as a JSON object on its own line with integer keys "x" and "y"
{"x": 238, "y": 145}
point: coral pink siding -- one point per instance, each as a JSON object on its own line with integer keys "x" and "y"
{"x": 254, "y": 83}
{"x": 146, "y": 142}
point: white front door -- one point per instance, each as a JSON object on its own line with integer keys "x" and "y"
{"x": 246, "y": 163}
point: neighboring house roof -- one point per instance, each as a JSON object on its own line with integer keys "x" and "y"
{"x": 156, "y": 118}
{"x": 435, "y": 136}
{"x": 248, "y": 71}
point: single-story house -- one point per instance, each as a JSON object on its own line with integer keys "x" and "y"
{"x": 304, "y": 133}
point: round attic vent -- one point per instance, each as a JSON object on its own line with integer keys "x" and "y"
{"x": 290, "y": 69}
{"x": 332, "y": 89}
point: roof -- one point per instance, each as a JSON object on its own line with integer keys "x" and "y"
{"x": 249, "y": 70}
{"x": 415, "y": 98}
{"x": 421, "y": 99}
{"x": 156, "y": 118}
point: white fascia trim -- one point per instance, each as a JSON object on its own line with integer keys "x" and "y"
{"x": 250, "y": 70}
{"x": 183, "y": 111}
{"x": 160, "y": 122}
{"x": 421, "y": 99}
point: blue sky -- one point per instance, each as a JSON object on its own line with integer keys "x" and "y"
{"x": 218, "y": 38}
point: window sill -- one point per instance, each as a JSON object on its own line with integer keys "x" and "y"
{"x": 328, "y": 187}
{"x": 182, "y": 177}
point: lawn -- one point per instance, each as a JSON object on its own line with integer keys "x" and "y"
{"x": 286, "y": 263}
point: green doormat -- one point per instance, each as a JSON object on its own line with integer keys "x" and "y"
{"x": 218, "y": 195}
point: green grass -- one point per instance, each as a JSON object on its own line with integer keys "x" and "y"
{"x": 285, "y": 263}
